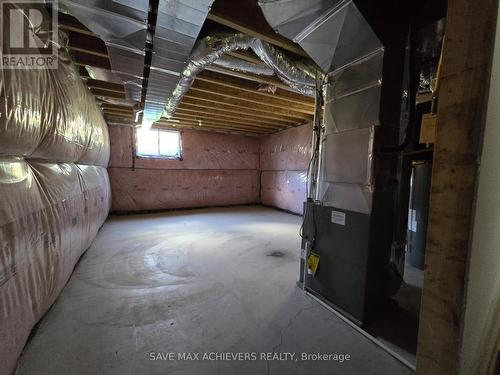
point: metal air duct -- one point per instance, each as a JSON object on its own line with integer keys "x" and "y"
{"x": 177, "y": 27}
{"x": 121, "y": 25}
{"x": 333, "y": 32}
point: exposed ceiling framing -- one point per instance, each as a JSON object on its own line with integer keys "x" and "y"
{"x": 220, "y": 99}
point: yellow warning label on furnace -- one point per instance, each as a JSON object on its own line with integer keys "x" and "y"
{"x": 312, "y": 263}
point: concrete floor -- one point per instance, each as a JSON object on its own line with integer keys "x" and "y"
{"x": 211, "y": 280}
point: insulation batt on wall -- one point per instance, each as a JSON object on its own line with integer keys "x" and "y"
{"x": 284, "y": 158}
{"x": 216, "y": 170}
{"x": 54, "y": 189}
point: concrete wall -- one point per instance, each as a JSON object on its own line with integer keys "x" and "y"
{"x": 216, "y": 170}
{"x": 482, "y": 310}
{"x": 284, "y": 158}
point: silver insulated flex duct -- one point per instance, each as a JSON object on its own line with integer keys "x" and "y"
{"x": 234, "y": 63}
{"x": 212, "y": 48}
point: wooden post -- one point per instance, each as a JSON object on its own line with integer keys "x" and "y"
{"x": 465, "y": 75}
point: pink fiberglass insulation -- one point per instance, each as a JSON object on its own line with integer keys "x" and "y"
{"x": 156, "y": 189}
{"x": 284, "y": 158}
{"x": 121, "y": 139}
{"x": 54, "y": 191}
{"x": 216, "y": 169}
{"x": 201, "y": 150}
{"x": 284, "y": 189}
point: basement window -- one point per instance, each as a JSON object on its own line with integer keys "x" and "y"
{"x": 157, "y": 143}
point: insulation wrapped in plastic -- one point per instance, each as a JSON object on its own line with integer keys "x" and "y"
{"x": 50, "y": 114}
{"x": 201, "y": 150}
{"x": 207, "y": 175}
{"x": 284, "y": 160}
{"x": 181, "y": 188}
{"x": 51, "y": 216}
{"x": 54, "y": 190}
{"x": 284, "y": 189}
{"x": 121, "y": 141}
{"x": 211, "y": 48}
{"x": 243, "y": 66}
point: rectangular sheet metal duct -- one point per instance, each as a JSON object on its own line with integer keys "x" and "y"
{"x": 122, "y": 25}
{"x": 177, "y": 27}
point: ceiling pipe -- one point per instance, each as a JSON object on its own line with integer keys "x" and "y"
{"x": 209, "y": 49}
{"x": 234, "y": 63}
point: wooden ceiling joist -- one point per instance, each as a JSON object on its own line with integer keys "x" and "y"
{"x": 214, "y": 90}
{"x": 274, "y": 39}
{"x": 116, "y": 107}
{"x": 244, "y": 85}
{"x": 246, "y": 56}
{"x": 222, "y": 99}
{"x": 84, "y": 58}
{"x": 75, "y": 29}
{"x": 182, "y": 125}
{"x": 211, "y": 124}
{"x": 250, "y": 77}
{"x": 224, "y": 126}
{"x": 260, "y": 108}
{"x": 87, "y": 51}
{"x": 105, "y": 85}
{"x": 221, "y": 115}
{"x": 212, "y": 119}
{"x": 245, "y": 112}
{"x": 118, "y": 113}
{"x": 107, "y": 94}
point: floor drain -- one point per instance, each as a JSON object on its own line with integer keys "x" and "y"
{"x": 277, "y": 254}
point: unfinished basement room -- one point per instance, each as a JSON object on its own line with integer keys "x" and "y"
{"x": 249, "y": 187}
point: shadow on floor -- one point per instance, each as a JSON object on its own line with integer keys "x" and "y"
{"x": 397, "y": 324}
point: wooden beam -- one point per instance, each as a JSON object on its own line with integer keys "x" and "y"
{"x": 246, "y": 56}
{"x": 87, "y": 51}
{"x": 260, "y": 108}
{"x": 117, "y": 106}
{"x": 83, "y": 58}
{"x": 274, "y": 39}
{"x": 127, "y": 120}
{"x": 243, "y": 85}
{"x": 104, "y": 85}
{"x": 465, "y": 76}
{"x": 180, "y": 126}
{"x": 207, "y": 118}
{"x": 107, "y": 94}
{"x": 184, "y": 108}
{"x": 213, "y": 125}
{"x": 76, "y": 29}
{"x": 276, "y": 102}
{"x": 118, "y": 113}
{"x": 245, "y": 112}
{"x": 250, "y": 77}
